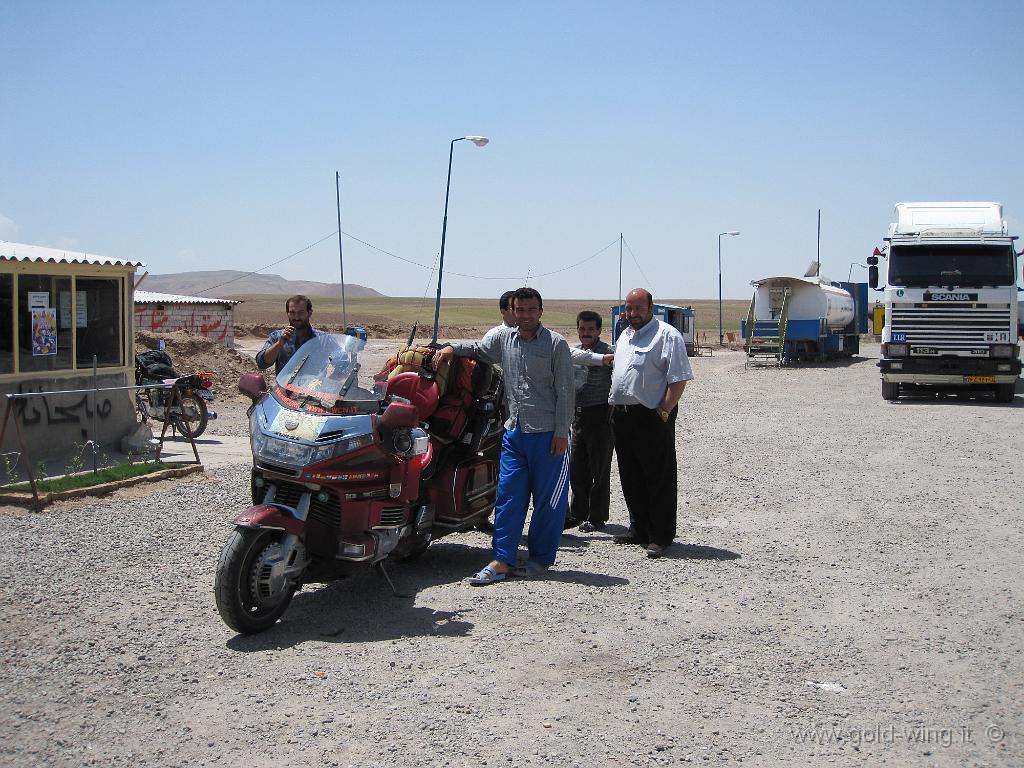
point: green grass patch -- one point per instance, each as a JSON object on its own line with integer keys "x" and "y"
{"x": 89, "y": 479}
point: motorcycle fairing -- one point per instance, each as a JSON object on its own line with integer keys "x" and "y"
{"x": 270, "y": 516}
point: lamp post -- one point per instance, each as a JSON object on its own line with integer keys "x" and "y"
{"x": 721, "y": 333}
{"x": 852, "y": 265}
{"x": 480, "y": 141}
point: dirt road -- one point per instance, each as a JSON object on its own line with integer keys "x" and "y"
{"x": 847, "y": 589}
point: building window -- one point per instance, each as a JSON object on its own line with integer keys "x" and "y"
{"x": 44, "y": 323}
{"x": 6, "y": 324}
{"x": 98, "y": 321}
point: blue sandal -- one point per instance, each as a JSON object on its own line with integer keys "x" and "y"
{"x": 487, "y": 575}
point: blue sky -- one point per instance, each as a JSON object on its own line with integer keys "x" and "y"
{"x": 200, "y": 136}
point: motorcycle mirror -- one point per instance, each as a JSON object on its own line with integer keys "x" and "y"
{"x": 252, "y": 386}
{"x": 399, "y": 415}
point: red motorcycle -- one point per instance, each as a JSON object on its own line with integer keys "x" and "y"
{"x": 345, "y": 476}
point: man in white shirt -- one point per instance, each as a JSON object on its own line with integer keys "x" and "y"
{"x": 650, "y": 373}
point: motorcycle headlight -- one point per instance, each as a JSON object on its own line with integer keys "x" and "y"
{"x": 895, "y": 350}
{"x": 1002, "y": 350}
{"x": 325, "y": 452}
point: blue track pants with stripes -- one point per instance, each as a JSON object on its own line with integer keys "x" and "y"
{"x": 527, "y": 467}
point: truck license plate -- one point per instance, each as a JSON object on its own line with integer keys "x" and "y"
{"x": 981, "y": 379}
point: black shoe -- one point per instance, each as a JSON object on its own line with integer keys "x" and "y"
{"x": 628, "y": 538}
{"x": 570, "y": 522}
{"x": 589, "y": 527}
{"x": 484, "y": 525}
{"x": 655, "y": 550}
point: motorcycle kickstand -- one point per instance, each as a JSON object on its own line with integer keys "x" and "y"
{"x": 383, "y": 571}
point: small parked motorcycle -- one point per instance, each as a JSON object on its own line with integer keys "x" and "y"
{"x": 189, "y": 413}
{"x": 345, "y": 476}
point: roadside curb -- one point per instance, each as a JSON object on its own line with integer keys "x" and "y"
{"x": 27, "y": 500}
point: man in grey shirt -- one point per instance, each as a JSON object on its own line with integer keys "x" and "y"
{"x": 534, "y": 452}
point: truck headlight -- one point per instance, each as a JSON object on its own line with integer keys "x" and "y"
{"x": 1003, "y": 350}
{"x": 895, "y": 350}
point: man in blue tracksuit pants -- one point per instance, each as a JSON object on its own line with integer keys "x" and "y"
{"x": 534, "y": 459}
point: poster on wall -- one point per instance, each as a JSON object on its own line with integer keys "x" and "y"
{"x": 38, "y": 299}
{"x": 81, "y": 314}
{"x": 44, "y": 331}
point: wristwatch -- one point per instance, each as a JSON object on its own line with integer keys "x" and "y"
{"x": 663, "y": 414}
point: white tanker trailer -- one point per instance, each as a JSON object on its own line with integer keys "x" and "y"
{"x": 805, "y": 318}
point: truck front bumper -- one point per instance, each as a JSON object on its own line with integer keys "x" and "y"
{"x": 950, "y": 371}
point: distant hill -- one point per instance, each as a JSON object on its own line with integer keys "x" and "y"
{"x": 230, "y": 282}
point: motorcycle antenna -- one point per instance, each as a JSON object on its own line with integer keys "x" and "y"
{"x": 341, "y": 254}
{"x": 412, "y": 333}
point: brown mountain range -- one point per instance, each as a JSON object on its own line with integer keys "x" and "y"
{"x": 224, "y": 283}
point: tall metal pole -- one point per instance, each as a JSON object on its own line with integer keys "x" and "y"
{"x": 341, "y": 255}
{"x": 620, "y": 272}
{"x": 444, "y": 232}
{"x": 817, "y": 256}
{"x": 721, "y": 333}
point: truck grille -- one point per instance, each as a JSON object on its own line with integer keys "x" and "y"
{"x": 327, "y": 512}
{"x": 959, "y": 327}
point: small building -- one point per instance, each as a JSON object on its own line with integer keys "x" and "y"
{"x": 680, "y": 318}
{"x": 61, "y": 312}
{"x": 165, "y": 313}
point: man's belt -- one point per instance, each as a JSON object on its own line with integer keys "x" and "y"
{"x": 632, "y": 408}
{"x": 582, "y": 408}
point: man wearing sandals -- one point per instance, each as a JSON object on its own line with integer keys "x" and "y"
{"x": 651, "y": 371}
{"x": 534, "y": 452}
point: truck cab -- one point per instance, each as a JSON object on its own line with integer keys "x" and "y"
{"x": 951, "y": 301}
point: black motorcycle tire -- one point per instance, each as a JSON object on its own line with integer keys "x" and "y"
{"x": 233, "y": 587}
{"x": 192, "y": 427}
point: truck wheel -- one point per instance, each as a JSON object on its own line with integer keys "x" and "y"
{"x": 890, "y": 390}
{"x": 1004, "y": 393}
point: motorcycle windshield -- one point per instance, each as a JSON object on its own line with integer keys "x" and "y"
{"x": 323, "y": 377}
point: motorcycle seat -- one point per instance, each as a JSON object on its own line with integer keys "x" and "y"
{"x": 419, "y": 391}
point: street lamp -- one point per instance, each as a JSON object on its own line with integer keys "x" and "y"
{"x": 852, "y": 265}
{"x": 721, "y": 334}
{"x": 480, "y": 141}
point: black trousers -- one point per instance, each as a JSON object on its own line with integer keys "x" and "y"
{"x": 590, "y": 465}
{"x": 646, "y": 450}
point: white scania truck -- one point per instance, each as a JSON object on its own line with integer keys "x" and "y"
{"x": 951, "y": 301}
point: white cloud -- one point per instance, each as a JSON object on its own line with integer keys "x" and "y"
{"x": 8, "y": 228}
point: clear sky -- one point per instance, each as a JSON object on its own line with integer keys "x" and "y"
{"x": 199, "y": 136}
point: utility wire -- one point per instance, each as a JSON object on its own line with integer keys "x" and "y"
{"x": 429, "y": 268}
{"x": 268, "y": 266}
{"x": 635, "y": 261}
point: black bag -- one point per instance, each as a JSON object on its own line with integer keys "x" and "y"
{"x": 153, "y": 365}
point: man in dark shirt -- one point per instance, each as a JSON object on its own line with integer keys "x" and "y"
{"x": 592, "y": 438}
{"x": 281, "y": 345}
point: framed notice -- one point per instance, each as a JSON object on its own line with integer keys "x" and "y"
{"x": 38, "y": 299}
{"x": 44, "y": 331}
{"x": 64, "y": 305}
{"x": 81, "y": 310}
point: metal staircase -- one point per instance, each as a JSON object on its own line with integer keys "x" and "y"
{"x": 766, "y": 339}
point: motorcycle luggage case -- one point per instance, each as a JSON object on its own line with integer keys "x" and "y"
{"x": 461, "y": 493}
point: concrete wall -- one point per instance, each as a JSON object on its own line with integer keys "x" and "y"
{"x": 52, "y": 424}
{"x": 210, "y": 320}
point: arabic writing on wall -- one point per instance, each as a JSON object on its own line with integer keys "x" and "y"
{"x": 213, "y": 324}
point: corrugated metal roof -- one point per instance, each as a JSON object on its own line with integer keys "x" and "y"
{"x": 149, "y": 297}
{"x": 24, "y": 252}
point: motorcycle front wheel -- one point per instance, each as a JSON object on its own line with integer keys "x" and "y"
{"x": 242, "y": 587}
{"x": 192, "y": 425}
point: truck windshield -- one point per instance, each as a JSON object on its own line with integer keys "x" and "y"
{"x": 960, "y": 266}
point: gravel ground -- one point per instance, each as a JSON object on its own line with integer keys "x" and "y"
{"x": 846, "y": 589}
